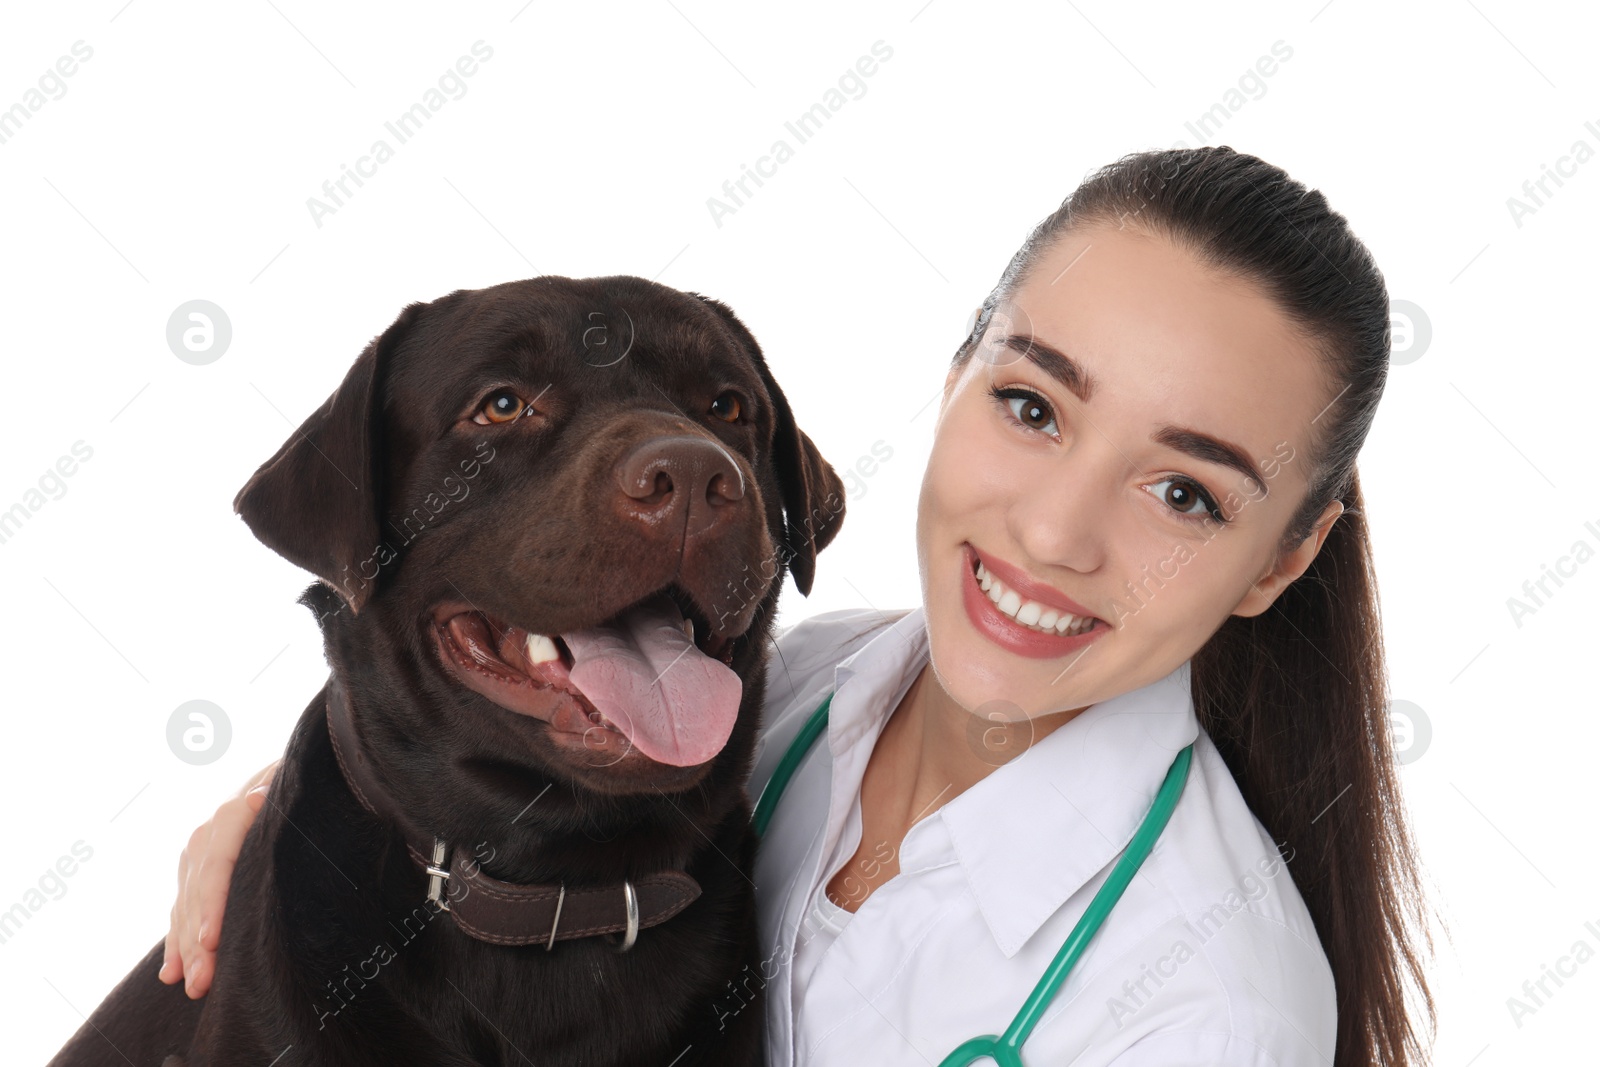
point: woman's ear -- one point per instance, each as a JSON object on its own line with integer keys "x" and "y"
{"x": 1289, "y": 567}
{"x": 315, "y": 502}
{"x": 813, "y": 494}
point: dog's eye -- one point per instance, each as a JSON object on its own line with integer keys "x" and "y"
{"x": 726, "y": 407}
{"x": 503, "y": 405}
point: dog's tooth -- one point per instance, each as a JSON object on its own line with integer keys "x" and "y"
{"x": 541, "y": 649}
{"x": 688, "y": 629}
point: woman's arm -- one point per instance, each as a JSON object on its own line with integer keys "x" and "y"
{"x": 204, "y": 869}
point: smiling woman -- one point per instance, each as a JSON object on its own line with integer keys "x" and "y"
{"x": 1179, "y": 366}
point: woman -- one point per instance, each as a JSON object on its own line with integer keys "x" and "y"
{"x": 1140, "y": 528}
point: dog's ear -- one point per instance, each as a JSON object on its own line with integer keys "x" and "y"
{"x": 813, "y": 495}
{"x": 316, "y": 501}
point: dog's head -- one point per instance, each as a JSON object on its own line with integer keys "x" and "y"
{"x": 555, "y": 515}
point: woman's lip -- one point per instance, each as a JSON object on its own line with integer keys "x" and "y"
{"x": 1024, "y": 586}
{"x": 1008, "y": 633}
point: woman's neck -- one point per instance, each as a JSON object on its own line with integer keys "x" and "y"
{"x": 929, "y": 752}
{"x": 932, "y": 749}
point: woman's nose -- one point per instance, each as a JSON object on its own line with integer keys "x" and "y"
{"x": 1068, "y": 515}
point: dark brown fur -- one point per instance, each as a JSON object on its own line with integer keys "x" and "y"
{"x": 329, "y": 954}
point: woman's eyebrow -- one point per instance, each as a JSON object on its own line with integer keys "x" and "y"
{"x": 1202, "y": 446}
{"x": 1208, "y": 449}
{"x": 1060, "y": 366}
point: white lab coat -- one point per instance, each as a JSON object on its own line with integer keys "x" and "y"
{"x": 1209, "y": 957}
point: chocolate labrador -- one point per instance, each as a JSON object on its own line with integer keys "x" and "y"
{"x": 550, "y": 521}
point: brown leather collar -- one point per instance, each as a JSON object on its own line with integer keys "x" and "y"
{"x": 505, "y": 913}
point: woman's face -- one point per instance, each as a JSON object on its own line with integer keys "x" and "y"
{"x": 1101, "y": 502}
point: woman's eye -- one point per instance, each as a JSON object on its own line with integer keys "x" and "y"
{"x": 503, "y": 405}
{"x": 726, "y": 407}
{"x": 1027, "y": 407}
{"x": 1185, "y": 496}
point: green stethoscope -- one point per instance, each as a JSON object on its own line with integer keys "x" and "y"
{"x": 1004, "y": 1048}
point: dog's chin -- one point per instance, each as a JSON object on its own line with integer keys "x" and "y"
{"x": 532, "y": 679}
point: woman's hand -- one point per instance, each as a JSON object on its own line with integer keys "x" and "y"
{"x": 203, "y": 873}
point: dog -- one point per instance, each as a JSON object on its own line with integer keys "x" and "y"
{"x": 549, "y": 521}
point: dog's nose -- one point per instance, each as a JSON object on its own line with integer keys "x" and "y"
{"x": 663, "y": 477}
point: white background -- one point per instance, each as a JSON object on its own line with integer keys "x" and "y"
{"x": 177, "y": 166}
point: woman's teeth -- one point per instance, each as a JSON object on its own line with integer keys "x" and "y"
{"x": 1031, "y": 613}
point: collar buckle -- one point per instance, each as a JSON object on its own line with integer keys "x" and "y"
{"x": 439, "y": 874}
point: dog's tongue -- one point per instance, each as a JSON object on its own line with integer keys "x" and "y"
{"x": 673, "y": 702}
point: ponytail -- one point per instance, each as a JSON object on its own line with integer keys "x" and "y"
{"x": 1294, "y": 699}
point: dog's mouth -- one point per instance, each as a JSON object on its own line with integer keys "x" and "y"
{"x": 652, "y": 680}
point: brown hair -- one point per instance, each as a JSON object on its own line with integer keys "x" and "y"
{"x": 1294, "y": 698}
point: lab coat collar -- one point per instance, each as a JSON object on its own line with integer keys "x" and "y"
{"x": 888, "y": 663}
{"x": 1036, "y": 830}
